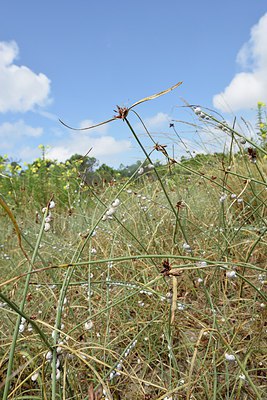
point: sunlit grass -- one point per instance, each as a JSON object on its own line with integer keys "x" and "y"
{"x": 160, "y": 296}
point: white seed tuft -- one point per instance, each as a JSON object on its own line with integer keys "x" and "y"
{"x": 88, "y": 325}
{"x": 116, "y": 203}
{"x": 52, "y": 204}
{"x": 34, "y": 377}
{"x": 229, "y": 357}
{"x": 47, "y": 226}
{"x": 231, "y": 274}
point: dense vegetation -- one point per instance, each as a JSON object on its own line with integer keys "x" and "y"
{"x": 146, "y": 282}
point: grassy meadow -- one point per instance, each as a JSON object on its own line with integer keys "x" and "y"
{"x": 149, "y": 287}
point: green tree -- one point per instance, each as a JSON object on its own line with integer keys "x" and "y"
{"x": 106, "y": 173}
{"x": 85, "y": 166}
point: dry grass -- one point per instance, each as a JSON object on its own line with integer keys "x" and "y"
{"x": 113, "y": 313}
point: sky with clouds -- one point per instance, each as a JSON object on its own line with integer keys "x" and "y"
{"x": 78, "y": 60}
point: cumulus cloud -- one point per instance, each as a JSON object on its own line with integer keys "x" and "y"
{"x": 12, "y": 133}
{"x": 249, "y": 86}
{"x": 21, "y": 141}
{"x": 102, "y": 148}
{"x": 88, "y": 122}
{"x": 156, "y": 122}
{"x": 21, "y": 88}
{"x": 28, "y": 153}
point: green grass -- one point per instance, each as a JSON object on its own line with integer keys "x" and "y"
{"x": 150, "y": 304}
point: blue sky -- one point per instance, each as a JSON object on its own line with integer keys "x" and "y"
{"x": 78, "y": 60}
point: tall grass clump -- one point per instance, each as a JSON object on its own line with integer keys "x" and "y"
{"x": 150, "y": 287}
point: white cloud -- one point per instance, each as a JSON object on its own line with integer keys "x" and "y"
{"x": 11, "y": 133}
{"x": 156, "y": 122}
{"x": 88, "y": 122}
{"x": 28, "y": 153}
{"x": 103, "y": 147}
{"x": 48, "y": 115}
{"x": 21, "y": 88}
{"x": 248, "y": 87}
{"x": 20, "y": 141}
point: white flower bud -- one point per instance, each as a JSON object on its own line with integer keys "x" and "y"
{"x": 201, "y": 264}
{"x": 197, "y": 110}
{"x": 34, "y": 377}
{"x": 229, "y": 357}
{"x": 49, "y": 356}
{"x": 186, "y": 247}
{"x": 47, "y": 226}
{"x": 116, "y": 203}
{"x": 52, "y": 204}
{"x": 110, "y": 211}
{"x": 119, "y": 366}
{"x": 88, "y": 325}
{"x": 242, "y": 141}
{"x": 57, "y": 374}
{"x": 231, "y": 274}
{"x": 223, "y": 197}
